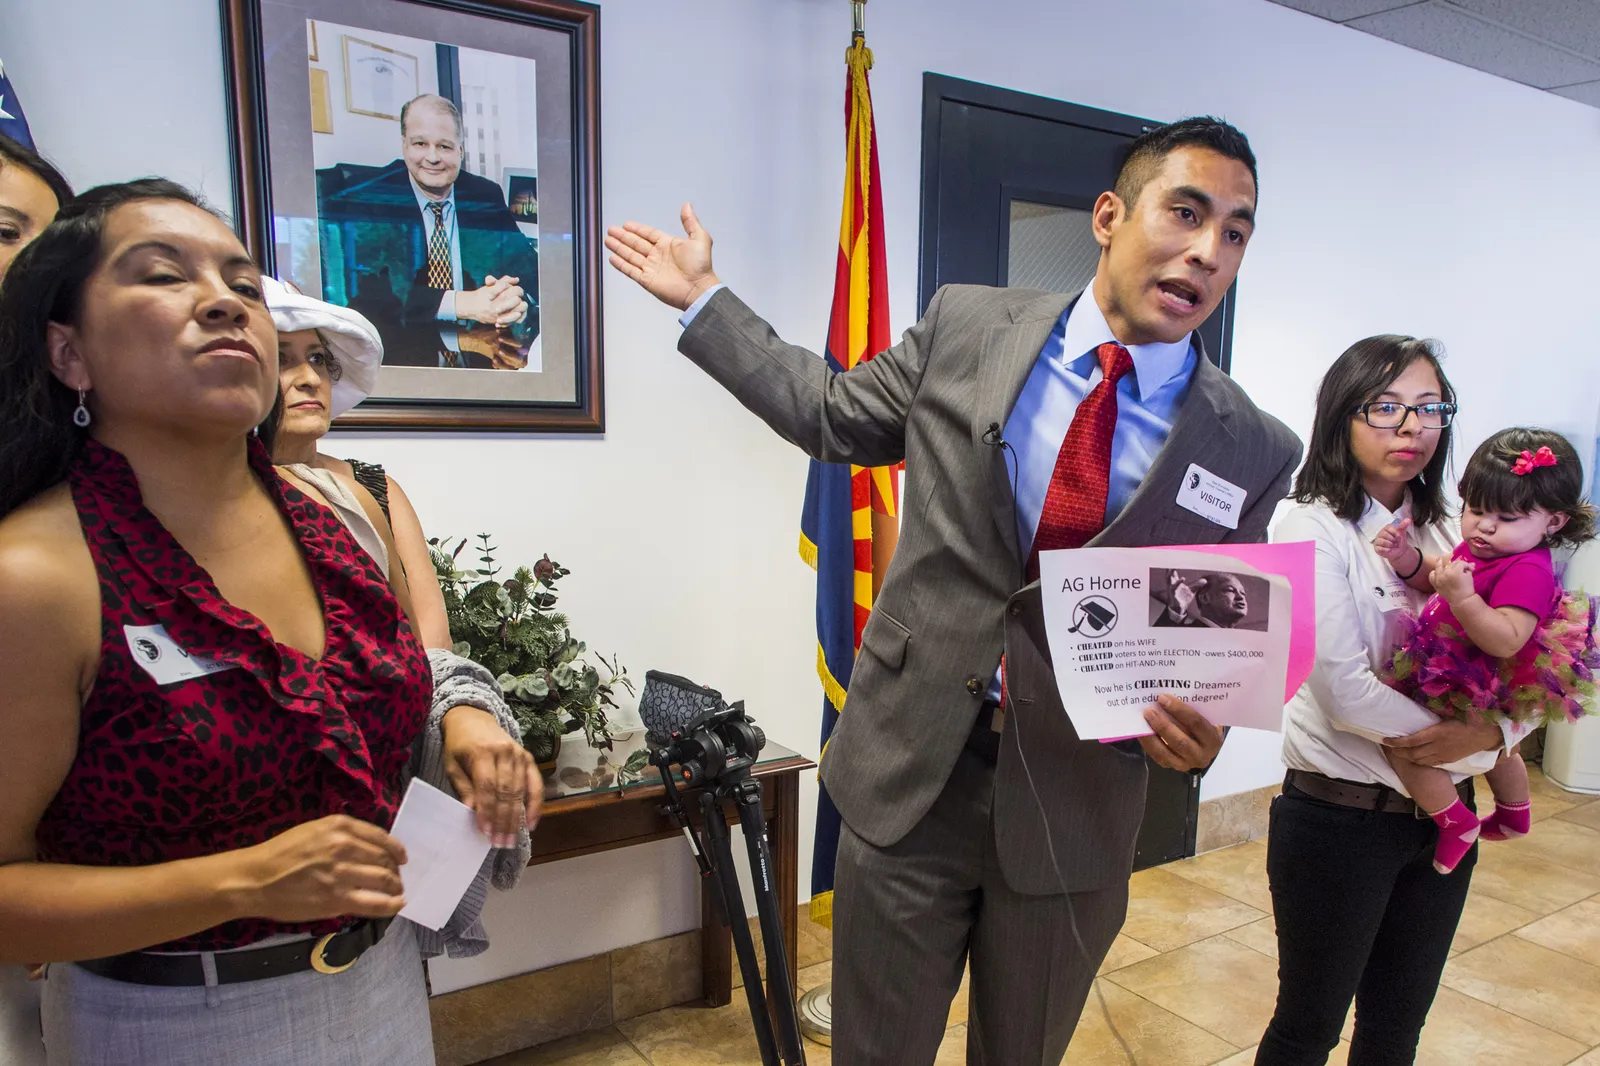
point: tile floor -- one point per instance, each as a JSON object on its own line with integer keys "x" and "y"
{"x": 1192, "y": 978}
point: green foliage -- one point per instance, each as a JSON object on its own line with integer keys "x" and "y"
{"x": 512, "y": 628}
{"x": 633, "y": 769}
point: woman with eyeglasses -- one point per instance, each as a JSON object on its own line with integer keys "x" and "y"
{"x": 1361, "y": 912}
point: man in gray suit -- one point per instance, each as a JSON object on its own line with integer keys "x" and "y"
{"x": 977, "y": 825}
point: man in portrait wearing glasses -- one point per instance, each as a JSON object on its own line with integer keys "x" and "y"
{"x": 429, "y": 251}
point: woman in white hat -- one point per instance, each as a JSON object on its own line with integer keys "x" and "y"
{"x": 328, "y": 359}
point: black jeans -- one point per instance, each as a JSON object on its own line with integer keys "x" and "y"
{"x": 1361, "y": 914}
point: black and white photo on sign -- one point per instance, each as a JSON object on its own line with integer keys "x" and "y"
{"x": 1208, "y": 599}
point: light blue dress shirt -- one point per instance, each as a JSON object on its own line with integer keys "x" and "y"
{"x": 1148, "y": 398}
{"x": 693, "y": 310}
{"x": 447, "y": 302}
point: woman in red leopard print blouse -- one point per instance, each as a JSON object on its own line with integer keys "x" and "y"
{"x": 208, "y": 691}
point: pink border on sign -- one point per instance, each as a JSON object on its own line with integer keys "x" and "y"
{"x": 1297, "y": 561}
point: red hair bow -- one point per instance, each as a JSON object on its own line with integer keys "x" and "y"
{"x": 1527, "y": 461}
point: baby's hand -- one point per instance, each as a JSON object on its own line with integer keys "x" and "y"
{"x": 1391, "y": 543}
{"x": 1452, "y": 579}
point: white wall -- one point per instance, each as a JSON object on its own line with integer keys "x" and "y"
{"x": 1399, "y": 193}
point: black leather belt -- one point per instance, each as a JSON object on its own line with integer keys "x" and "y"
{"x": 983, "y": 740}
{"x": 329, "y": 954}
{"x": 1365, "y": 797}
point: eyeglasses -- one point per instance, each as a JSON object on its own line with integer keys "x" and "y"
{"x": 1385, "y": 414}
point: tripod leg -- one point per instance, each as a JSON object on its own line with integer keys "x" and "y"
{"x": 781, "y": 992}
{"x": 717, "y": 837}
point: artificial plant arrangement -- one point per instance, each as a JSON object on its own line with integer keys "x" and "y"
{"x": 512, "y": 629}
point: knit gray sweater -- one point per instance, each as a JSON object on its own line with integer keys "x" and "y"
{"x": 459, "y": 681}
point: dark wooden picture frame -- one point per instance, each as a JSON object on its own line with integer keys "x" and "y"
{"x": 246, "y": 74}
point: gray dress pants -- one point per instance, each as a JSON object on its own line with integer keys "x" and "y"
{"x": 373, "y": 1014}
{"x": 908, "y": 918}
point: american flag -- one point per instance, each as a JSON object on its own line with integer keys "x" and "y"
{"x": 13, "y": 123}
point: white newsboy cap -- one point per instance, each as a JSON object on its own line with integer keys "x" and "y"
{"x": 353, "y": 340}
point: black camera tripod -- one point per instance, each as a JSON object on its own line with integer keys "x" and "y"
{"x": 715, "y": 753}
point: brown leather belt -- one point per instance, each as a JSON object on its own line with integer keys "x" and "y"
{"x": 330, "y": 954}
{"x": 1367, "y": 797}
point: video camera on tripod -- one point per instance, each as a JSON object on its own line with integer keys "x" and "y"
{"x": 713, "y": 746}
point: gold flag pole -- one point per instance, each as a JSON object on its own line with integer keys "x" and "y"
{"x": 816, "y": 1006}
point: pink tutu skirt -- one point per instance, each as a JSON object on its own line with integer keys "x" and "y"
{"x": 1550, "y": 680}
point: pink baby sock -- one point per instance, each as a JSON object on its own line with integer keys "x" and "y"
{"x": 1458, "y": 831}
{"x": 1509, "y": 821}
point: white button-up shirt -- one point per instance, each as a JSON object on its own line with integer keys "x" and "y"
{"x": 1333, "y": 724}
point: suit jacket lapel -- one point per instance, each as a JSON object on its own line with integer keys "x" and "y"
{"x": 1009, "y": 353}
{"x": 1203, "y": 427}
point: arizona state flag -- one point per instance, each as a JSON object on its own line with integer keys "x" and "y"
{"x": 850, "y": 522}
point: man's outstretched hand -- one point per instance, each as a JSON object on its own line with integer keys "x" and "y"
{"x": 675, "y": 270}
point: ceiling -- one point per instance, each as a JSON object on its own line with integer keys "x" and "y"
{"x": 1549, "y": 44}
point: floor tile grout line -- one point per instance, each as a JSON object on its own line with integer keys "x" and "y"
{"x": 1141, "y": 943}
{"x": 1168, "y": 1010}
{"x": 1252, "y": 947}
{"x": 1559, "y": 951}
{"x": 1476, "y": 891}
{"x": 1506, "y": 1010}
{"x": 637, "y": 1050}
{"x": 1571, "y": 869}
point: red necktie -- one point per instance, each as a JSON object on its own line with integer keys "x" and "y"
{"x": 1075, "y": 505}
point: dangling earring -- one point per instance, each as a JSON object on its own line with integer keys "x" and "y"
{"x": 80, "y": 417}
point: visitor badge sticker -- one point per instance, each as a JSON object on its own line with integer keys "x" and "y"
{"x": 1127, "y": 624}
{"x": 1210, "y": 497}
{"x": 166, "y": 663}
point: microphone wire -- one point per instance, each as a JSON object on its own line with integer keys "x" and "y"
{"x": 1014, "y": 468}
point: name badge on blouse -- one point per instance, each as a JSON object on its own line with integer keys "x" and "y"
{"x": 163, "y": 660}
{"x": 1391, "y": 593}
{"x": 1210, "y": 497}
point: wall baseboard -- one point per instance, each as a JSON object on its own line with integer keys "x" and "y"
{"x": 519, "y": 1012}
{"x": 1235, "y": 819}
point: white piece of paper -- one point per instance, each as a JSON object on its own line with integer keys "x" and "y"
{"x": 1211, "y": 497}
{"x": 1127, "y": 624}
{"x": 444, "y": 851}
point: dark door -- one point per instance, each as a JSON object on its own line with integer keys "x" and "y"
{"x": 1008, "y": 184}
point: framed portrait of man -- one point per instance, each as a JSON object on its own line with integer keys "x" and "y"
{"x": 447, "y": 188}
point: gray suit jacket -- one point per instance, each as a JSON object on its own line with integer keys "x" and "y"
{"x": 950, "y": 603}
